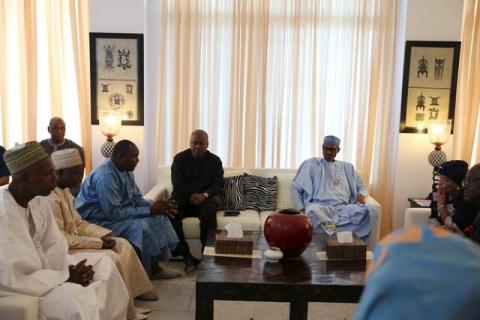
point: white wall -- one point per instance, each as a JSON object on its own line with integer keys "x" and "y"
{"x": 120, "y": 16}
{"x": 436, "y": 20}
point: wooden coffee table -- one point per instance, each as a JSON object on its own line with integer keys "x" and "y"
{"x": 297, "y": 281}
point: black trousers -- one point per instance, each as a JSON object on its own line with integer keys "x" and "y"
{"x": 205, "y": 211}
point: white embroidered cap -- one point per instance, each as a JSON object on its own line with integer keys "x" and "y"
{"x": 66, "y": 158}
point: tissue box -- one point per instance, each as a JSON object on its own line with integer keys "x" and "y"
{"x": 225, "y": 245}
{"x": 346, "y": 251}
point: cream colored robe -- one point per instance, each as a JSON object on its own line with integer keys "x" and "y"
{"x": 82, "y": 235}
{"x": 34, "y": 261}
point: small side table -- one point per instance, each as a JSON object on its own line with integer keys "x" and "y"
{"x": 419, "y": 203}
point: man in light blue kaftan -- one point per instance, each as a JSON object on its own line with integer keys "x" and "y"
{"x": 110, "y": 197}
{"x": 422, "y": 272}
{"x": 330, "y": 190}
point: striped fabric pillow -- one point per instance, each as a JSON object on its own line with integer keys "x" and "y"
{"x": 231, "y": 197}
{"x": 260, "y": 192}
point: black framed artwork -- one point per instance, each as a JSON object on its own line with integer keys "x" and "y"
{"x": 116, "y": 76}
{"x": 429, "y": 83}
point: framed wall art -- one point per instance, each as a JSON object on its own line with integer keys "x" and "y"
{"x": 429, "y": 83}
{"x": 116, "y": 76}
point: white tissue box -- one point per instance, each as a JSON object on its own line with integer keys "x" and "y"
{"x": 226, "y": 245}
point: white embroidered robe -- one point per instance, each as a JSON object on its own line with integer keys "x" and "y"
{"x": 34, "y": 261}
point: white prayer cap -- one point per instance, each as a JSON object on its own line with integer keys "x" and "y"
{"x": 66, "y": 158}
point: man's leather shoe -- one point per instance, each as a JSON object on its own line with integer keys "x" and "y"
{"x": 147, "y": 296}
{"x": 191, "y": 263}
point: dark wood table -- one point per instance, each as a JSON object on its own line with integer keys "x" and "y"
{"x": 297, "y": 281}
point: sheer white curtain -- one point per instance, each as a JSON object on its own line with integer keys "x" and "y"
{"x": 44, "y": 69}
{"x": 269, "y": 79}
{"x": 467, "y": 114}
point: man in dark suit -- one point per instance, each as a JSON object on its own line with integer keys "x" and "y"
{"x": 197, "y": 176}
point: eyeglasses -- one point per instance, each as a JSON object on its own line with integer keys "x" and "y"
{"x": 475, "y": 181}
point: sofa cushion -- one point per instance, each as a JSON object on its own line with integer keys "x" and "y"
{"x": 285, "y": 193}
{"x": 191, "y": 228}
{"x": 231, "y": 172}
{"x": 260, "y": 192}
{"x": 231, "y": 197}
{"x": 249, "y": 219}
{"x": 263, "y": 217}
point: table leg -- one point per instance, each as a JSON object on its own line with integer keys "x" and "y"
{"x": 299, "y": 310}
{"x": 203, "y": 307}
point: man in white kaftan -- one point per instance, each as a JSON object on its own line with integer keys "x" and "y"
{"x": 328, "y": 190}
{"x": 83, "y": 236}
{"x": 33, "y": 253}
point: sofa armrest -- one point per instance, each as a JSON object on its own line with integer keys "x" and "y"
{"x": 18, "y": 306}
{"x": 416, "y": 216}
{"x": 159, "y": 191}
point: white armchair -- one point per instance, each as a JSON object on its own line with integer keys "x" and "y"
{"x": 18, "y": 307}
{"x": 416, "y": 216}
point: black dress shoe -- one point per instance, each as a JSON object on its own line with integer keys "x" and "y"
{"x": 191, "y": 263}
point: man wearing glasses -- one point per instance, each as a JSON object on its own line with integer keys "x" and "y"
{"x": 330, "y": 191}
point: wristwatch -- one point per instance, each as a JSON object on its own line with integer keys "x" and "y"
{"x": 205, "y": 195}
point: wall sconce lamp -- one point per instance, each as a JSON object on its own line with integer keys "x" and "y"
{"x": 110, "y": 125}
{"x": 438, "y": 134}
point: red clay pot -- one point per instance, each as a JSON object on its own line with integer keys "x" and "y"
{"x": 290, "y": 230}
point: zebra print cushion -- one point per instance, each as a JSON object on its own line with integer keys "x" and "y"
{"x": 260, "y": 192}
{"x": 231, "y": 197}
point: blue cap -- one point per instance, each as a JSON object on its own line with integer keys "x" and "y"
{"x": 331, "y": 140}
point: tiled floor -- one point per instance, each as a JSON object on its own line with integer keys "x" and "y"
{"x": 177, "y": 297}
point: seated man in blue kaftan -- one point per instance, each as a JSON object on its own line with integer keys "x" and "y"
{"x": 110, "y": 197}
{"x": 328, "y": 190}
{"x": 422, "y": 272}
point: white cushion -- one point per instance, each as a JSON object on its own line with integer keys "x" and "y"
{"x": 234, "y": 172}
{"x": 166, "y": 181}
{"x": 249, "y": 219}
{"x": 263, "y": 217}
{"x": 285, "y": 192}
{"x": 191, "y": 228}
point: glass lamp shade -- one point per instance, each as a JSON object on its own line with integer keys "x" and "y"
{"x": 439, "y": 132}
{"x": 110, "y": 124}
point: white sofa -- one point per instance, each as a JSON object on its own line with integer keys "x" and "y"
{"x": 251, "y": 220}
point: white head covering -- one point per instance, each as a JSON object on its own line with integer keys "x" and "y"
{"x": 66, "y": 158}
